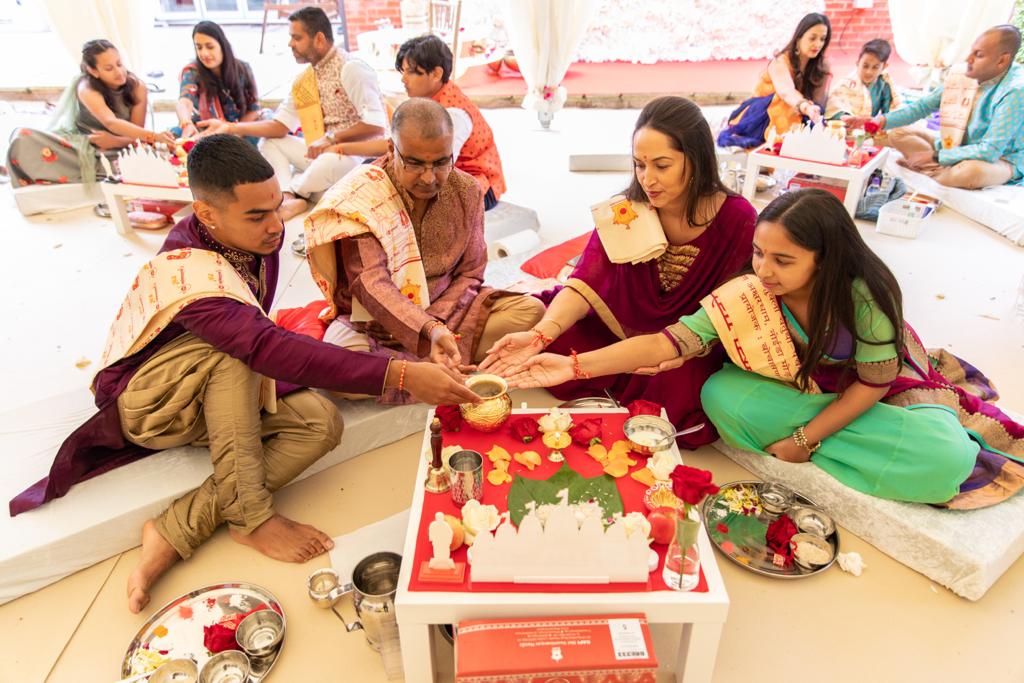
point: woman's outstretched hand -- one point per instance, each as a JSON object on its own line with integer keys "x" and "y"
{"x": 545, "y": 370}
{"x": 511, "y": 351}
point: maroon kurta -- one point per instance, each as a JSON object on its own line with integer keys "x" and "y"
{"x": 239, "y": 330}
{"x": 635, "y": 297}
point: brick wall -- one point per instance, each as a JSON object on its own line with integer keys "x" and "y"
{"x": 852, "y": 27}
{"x": 363, "y": 15}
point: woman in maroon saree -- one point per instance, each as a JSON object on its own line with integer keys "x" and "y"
{"x": 675, "y": 235}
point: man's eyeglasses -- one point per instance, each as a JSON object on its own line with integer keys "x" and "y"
{"x": 420, "y": 167}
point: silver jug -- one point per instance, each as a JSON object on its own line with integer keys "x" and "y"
{"x": 373, "y": 588}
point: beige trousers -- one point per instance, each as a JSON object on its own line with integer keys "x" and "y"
{"x": 508, "y": 314}
{"x": 191, "y": 393}
{"x": 972, "y": 174}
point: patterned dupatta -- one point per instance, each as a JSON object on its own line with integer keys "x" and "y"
{"x": 161, "y": 289}
{"x": 955, "y": 108}
{"x": 753, "y": 330}
{"x": 364, "y": 202}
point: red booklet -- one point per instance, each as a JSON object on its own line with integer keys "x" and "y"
{"x": 611, "y": 648}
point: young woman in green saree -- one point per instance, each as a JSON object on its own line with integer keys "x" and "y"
{"x": 825, "y": 369}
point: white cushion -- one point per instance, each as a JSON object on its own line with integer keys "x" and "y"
{"x": 101, "y": 517}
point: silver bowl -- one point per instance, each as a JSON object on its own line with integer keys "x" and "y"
{"x": 644, "y": 432}
{"x": 812, "y": 521}
{"x": 816, "y": 541}
{"x": 230, "y": 666}
{"x": 176, "y": 671}
{"x": 260, "y": 633}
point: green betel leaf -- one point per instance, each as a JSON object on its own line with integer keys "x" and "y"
{"x": 601, "y": 489}
{"x": 545, "y": 491}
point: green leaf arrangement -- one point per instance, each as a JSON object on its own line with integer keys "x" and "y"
{"x": 545, "y": 492}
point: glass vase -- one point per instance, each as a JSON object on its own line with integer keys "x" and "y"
{"x": 682, "y": 560}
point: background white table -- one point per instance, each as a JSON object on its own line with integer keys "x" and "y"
{"x": 117, "y": 196}
{"x": 855, "y": 178}
{"x": 685, "y": 626}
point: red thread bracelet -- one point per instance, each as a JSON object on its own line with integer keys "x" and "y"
{"x": 577, "y": 372}
{"x": 541, "y": 339}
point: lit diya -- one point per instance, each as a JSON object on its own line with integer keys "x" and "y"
{"x": 556, "y": 441}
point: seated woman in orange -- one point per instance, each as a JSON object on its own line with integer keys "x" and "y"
{"x": 793, "y": 89}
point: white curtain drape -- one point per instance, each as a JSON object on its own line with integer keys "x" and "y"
{"x": 544, "y": 34}
{"x": 936, "y": 34}
{"x": 128, "y": 24}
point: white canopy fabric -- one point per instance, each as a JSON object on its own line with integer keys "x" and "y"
{"x": 937, "y": 34}
{"x": 544, "y": 34}
{"x": 128, "y": 24}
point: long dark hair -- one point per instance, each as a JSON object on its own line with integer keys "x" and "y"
{"x": 682, "y": 122}
{"x": 813, "y": 76}
{"x": 818, "y": 222}
{"x": 233, "y": 78}
{"x": 90, "y": 51}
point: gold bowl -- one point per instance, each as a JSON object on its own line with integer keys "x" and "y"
{"x": 491, "y": 413}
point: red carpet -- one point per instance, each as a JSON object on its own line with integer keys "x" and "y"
{"x": 612, "y": 78}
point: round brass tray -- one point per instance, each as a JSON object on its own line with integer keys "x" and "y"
{"x": 177, "y": 627}
{"x": 740, "y": 536}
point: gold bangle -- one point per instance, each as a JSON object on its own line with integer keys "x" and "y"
{"x": 801, "y": 440}
{"x": 553, "y": 322}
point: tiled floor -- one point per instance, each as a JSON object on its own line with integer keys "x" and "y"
{"x": 64, "y": 276}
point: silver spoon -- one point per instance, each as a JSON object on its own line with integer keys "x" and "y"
{"x": 667, "y": 441}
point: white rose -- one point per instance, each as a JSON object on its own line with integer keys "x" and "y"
{"x": 555, "y": 421}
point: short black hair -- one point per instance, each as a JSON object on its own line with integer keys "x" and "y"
{"x": 427, "y": 53}
{"x": 315, "y": 21}
{"x": 220, "y": 162}
{"x": 877, "y": 47}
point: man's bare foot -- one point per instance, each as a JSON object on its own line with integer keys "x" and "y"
{"x": 291, "y": 207}
{"x": 157, "y": 557}
{"x": 286, "y": 540}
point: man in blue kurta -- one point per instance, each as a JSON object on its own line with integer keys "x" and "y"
{"x": 992, "y": 150}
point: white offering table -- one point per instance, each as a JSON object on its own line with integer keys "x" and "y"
{"x": 856, "y": 178}
{"x": 117, "y": 196}
{"x": 692, "y": 648}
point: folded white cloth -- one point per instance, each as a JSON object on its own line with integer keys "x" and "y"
{"x": 630, "y": 231}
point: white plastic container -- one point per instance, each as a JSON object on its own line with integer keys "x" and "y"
{"x": 902, "y": 218}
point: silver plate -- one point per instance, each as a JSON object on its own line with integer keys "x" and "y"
{"x": 590, "y": 402}
{"x": 184, "y": 619}
{"x": 745, "y": 535}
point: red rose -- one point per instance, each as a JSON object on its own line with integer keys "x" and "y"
{"x": 188, "y": 145}
{"x": 587, "y": 432}
{"x": 218, "y": 638}
{"x": 871, "y": 127}
{"x": 450, "y": 417}
{"x": 690, "y": 484}
{"x": 175, "y": 161}
{"x": 778, "y": 535}
{"x": 526, "y": 429}
{"x": 642, "y": 407}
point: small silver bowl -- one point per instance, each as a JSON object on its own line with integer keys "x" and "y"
{"x": 230, "y": 666}
{"x": 817, "y": 542}
{"x": 645, "y": 432}
{"x": 775, "y": 498}
{"x": 812, "y": 521}
{"x": 260, "y": 633}
{"x": 176, "y": 671}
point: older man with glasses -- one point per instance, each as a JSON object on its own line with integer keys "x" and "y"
{"x": 398, "y": 249}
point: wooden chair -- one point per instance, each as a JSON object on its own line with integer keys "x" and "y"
{"x": 330, "y": 8}
{"x": 445, "y": 17}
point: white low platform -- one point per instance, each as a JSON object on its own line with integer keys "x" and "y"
{"x": 999, "y": 208}
{"x": 102, "y": 517}
{"x": 966, "y": 551}
{"x": 37, "y": 199}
